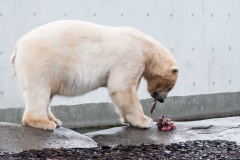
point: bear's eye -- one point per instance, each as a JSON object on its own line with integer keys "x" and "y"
{"x": 169, "y": 89}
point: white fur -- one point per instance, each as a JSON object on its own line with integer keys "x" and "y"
{"x": 72, "y": 58}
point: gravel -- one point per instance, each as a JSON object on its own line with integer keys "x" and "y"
{"x": 200, "y": 149}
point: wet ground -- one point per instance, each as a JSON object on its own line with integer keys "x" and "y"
{"x": 216, "y": 149}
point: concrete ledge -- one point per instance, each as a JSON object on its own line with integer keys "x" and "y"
{"x": 178, "y": 108}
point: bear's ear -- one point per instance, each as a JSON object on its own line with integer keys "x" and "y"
{"x": 174, "y": 70}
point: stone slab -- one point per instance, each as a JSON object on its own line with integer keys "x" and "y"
{"x": 16, "y": 138}
{"x": 210, "y": 129}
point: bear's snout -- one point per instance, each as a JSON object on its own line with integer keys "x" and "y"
{"x": 157, "y": 97}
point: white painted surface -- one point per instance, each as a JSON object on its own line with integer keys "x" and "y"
{"x": 203, "y": 36}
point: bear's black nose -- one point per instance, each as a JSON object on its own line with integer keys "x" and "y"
{"x": 161, "y": 100}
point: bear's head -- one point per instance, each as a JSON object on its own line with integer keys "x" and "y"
{"x": 161, "y": 74}
{"x": 160, "y": 86}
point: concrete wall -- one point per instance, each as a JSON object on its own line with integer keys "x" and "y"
{"x": 203, "y": 35}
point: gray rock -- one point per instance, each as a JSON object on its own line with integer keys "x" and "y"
{"x": 16, "y": 138}
{"x": 211, "y": 129}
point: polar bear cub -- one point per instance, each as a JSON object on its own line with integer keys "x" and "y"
{"x": 71, "y": 58}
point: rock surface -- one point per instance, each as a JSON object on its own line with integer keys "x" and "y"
{"x": 210, "y": 129}
{"x": 16, "y": 138}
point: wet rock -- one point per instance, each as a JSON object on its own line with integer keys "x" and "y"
{"x": 210, "y": 129}
{"x": 16, "y": 138}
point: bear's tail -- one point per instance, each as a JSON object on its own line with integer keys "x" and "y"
{"x": 13, "y": 57}
{"x": 12, "y": 60}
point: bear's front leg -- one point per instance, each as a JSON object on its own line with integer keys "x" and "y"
{"x": 122, "y": 86}
{"x": 130, "y": 108}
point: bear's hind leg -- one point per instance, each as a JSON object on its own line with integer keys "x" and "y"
{"x": 35, "y": 114}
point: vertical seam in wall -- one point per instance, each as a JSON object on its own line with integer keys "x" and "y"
{"x": 203, "y": 25}
{"x": 203, "y": 40}
{"x": 203, "y": 20}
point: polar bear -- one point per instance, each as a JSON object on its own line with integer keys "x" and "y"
{"x": 71, "y": 58}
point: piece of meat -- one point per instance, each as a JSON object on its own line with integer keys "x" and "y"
{"x": 165, "y": 124}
